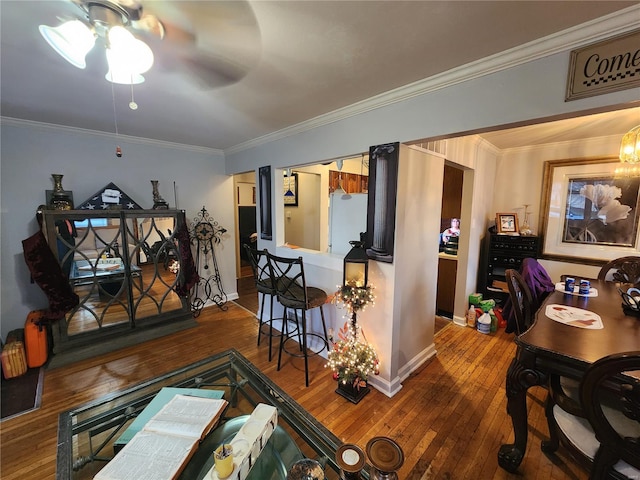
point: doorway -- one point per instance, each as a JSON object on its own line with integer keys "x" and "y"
{"x": 245, "y": 233}
{"x": 449, "y": 236}
{"x": 246, "y": 224}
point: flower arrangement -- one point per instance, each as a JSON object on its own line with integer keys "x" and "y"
{"x": 352, "y": 361}
{"x": 354, "y": 298}
{"x": 599, "y": 207}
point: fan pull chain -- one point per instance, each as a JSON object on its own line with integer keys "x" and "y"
{"x": 115, "y": 120}
{"x": 132, "y": 104}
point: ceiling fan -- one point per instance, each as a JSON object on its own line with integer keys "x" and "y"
{"x": 127, "y": 56}
{"x": 215, "y": 43}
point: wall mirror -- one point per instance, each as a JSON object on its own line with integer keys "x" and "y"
{"x": 121, "y": 264}
{"x": 331, "y": 204}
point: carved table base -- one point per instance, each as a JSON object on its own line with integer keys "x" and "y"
{"x": 519, "y": 379}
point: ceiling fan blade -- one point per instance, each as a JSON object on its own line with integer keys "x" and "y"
{"x": 213, "y": 72}
{"x": 212, "y": 43}
{"x": 150, "y": 24}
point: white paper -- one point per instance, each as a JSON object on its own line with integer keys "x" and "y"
{"x": 148, "y": 456}
{"x": 161, "y": 449}
{"x": 186, "y": 416}
{"x": 111, "y": 196}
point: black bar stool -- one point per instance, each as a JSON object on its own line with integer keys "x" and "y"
{"x": 287, "y": 274}
{"x": 264, "y": 286}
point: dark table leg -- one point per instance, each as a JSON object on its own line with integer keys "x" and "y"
{"x": 519, "y": 379}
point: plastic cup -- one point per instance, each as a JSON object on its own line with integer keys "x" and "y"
{"x": 223, "y": 460}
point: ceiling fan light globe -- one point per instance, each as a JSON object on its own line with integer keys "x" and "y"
{"x": 123, "y": 77}
{"x": 119, "y": 37}
{"x": 141, "y": 56}
{"x": 126, "y": 53}
{"x": 72, "y": 40}
{"x": 122, "y": 69}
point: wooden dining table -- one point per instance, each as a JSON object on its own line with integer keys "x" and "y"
{"x": 550, "y": 347}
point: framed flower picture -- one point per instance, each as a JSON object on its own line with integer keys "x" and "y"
{"x": 589, "y": 211}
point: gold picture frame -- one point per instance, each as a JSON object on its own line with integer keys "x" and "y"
{"x": 576, "y": 229}
{"x": 507, "y": 224}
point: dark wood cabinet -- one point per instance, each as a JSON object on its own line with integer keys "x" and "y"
{"x": 500, "y": 253}
{"x": 351, "y": 182}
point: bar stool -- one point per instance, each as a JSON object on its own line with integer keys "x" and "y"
{"x": 264, "y": 286}
{"x": 287, "y": 274}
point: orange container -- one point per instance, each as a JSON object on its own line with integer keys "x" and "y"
{"x": 14, "y": 362}
{"x": 35, "y": 339}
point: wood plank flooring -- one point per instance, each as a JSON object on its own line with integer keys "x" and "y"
{"x": 449, "y": 417}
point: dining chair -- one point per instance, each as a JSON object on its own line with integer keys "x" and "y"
{"x": 264, "y": 286}
{"x": 293, "y": 293}
{"x": 561, "y": 391}
{"x": 608, "y": 435}
{"x": 625, "y": 270}
{"x": 532, "y": 285}
{"x": 521, "y": 301}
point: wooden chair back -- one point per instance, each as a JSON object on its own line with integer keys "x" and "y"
{"x": 624, "y": 270}
{"x": 602, "y": 398}
{"x": 521, "y": 300}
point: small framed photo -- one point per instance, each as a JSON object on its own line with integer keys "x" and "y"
{"x": 507, "y": 223}
{"x": 291, "y": 190}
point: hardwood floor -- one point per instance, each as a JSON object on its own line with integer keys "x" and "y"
{"x": 450, "y": 416}
{"x": 247, "y": 294}
{"x": 151, "y": 293}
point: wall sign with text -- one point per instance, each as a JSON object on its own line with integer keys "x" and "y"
{"x": 605, "y": 67}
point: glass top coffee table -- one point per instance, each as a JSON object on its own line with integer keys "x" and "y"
{"x": 87, "y": 434}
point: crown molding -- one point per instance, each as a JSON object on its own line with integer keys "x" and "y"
{"x": 608, "y": 26}
{"x": 18, "y": 122}
{"x": 486, "y": 145}
{"x": 585, "y": 144}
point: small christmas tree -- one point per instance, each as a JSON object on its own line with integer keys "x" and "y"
{"x": 351, "y": 360}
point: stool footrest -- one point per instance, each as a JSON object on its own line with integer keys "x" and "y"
{"x": 310, "y": 351}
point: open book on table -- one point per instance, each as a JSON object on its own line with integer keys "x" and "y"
{"x": 101, "y": 264}
{"x": 164, "y": 445}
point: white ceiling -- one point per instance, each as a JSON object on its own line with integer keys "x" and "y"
{"x": 230, "y": 72}
{"x": 597, "y": 125}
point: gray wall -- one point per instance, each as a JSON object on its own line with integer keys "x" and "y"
{"x": 32, "y": 152}
{"x": 523, "y": 93}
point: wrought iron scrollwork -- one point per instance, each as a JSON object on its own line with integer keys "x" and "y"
{"x": 205, "y": 233}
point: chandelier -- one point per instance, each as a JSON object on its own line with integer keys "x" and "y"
{"x": 128, "y": 58}
{"x": 630, "y": 146}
